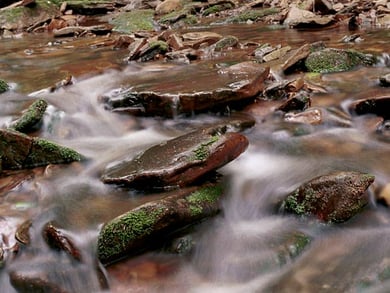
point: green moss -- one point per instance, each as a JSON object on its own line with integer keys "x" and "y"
{"x": 160, "y": 45}
{"x": 226, "y": 42}
{"x": 252, "y": 15}
{"x": 190, "y": 19}
{"x": 298, "y": 243}
{"x": 201, "y": 153}
{"x": 217, "y": 8}
{"x": 3, "y": 86}
{"x": 9, "y": 15}
{"x": 116, "y": 235}
{"x": 175, "y": 16}
{"x": 32, "y": 116}
{"x": 292, "y": 204}
{"x": 335, "y": 60}
{"x": 133, "y": 21}
{"x": 44, "y": 151}
{"x": 208, "y": 195}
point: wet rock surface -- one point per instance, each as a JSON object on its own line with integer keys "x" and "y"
{"x": 172, "y": 103}
{"x": 32, "y": 116}
{"x": 19, "y": 151}
{"x": 150, "y": 224}
{"x": 178, "y": 162}
{"x": 331, "y": 198}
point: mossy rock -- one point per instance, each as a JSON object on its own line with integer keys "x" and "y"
{"x": 31, "y": 117}
{"x": 133, "y": 21}
{"x": 19, "y": 18}
{"x": 252, "y": 15}
{"x": 335, "y": 197}
{"x": 217, "y": 8}
{"x": 3, "y": 86}
{"x": 149, "y": 225}
{"x": 336, "y": 60}
{"x": 19, "y": 151}
{"x": 183, "y": 16}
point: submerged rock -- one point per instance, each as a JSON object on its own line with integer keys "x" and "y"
{"x": 150, "y": 224}
{"x": 178, "y": 162}
{"x": 31, "y": 117}
{"x": 19, "y": 151}
{"x": 336, "y": 60}
{"x": 57, "y": 239}
{"x": 335, "y": 197}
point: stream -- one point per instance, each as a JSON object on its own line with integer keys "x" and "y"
{"x": 238, "y": 250}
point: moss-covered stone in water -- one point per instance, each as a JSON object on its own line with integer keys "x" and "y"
{"x": 336, "y": 60}
{"x": 31, "y": 117}
{"x": 209, "y": 194}
{"x": 133, "y": 21}
{"x": 159, "y": 45}
{"x": 252, "y": 15}
{"x": 3, "y": 86}
{"x": 45, "y": 152}
{"x": 116, "y": 235}
{"x": 226, "y": 42}
{"x": 217, "y": 8}
{"x": 292, "y": 247}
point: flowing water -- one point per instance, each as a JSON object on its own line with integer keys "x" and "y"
{"x": 244, "y": 248}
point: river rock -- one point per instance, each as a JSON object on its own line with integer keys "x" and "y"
{"x": 30, "y": 118}
{"x": 19, "y": 151}
{"x": 150, "y": 224}
{"x": 57, "y": 239}
{"x": 335, "y": 197}
{"x": 385, "y": 80}
{"x": 169, "y": 104}
{"x": 336, "y": 60}
{"x": 376, "y": 105}
{"x": 299, "y": 55}
{"x": 178, "y": 162}
{"x": 168, "y": 6}
{"x": 3, "y": 86}
{"x": 300, "y": 18}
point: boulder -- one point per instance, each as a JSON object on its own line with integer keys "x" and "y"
{"x": 150, "y": 224}
{"x": 31, "y": 117}
{"x": 179, "y": 161}
{"x": 335, "y": 197}
{"x": 19, "y": 151}
{"x": 336, "y": 60}
{"x": 300, "y": 18}
{"x": 172, "y": 103}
